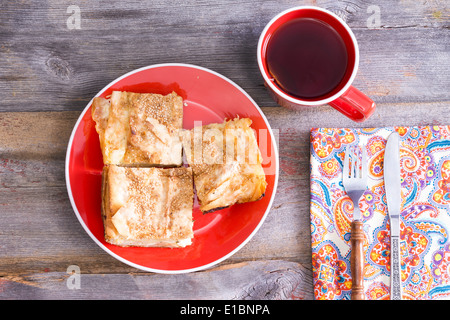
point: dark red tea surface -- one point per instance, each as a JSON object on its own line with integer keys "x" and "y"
{"x": 307, "y": 58}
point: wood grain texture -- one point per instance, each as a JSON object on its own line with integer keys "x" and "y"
{"x": 49, "y": 73}
{"x": 255, "y": 280}
{"x": 34, "y": 202}
{"x": 357, "y": 260}
{"x": 48, "y": 67}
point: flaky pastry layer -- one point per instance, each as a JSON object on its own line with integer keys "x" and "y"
{"x": 147, "y": 207}
{"x": 226, "y": 162}
{"x": 139, "y": 129}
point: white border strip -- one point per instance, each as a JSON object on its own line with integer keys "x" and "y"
{"x": 72, "y": 201}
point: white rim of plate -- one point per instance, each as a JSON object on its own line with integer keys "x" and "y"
{"x": 137, "y": 266}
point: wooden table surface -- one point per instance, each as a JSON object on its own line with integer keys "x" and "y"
{"x": 52, "y": 65}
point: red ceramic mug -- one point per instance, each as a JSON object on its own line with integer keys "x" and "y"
{"x": 344, "y": 97}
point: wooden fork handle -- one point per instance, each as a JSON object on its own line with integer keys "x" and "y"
{"x": 357, "y": 260}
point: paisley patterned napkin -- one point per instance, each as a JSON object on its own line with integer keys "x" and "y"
{"x": 425, "y": 217}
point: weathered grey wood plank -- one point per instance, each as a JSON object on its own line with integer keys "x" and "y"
{"x": 39, "y": 227}
{"x": 34, "y": 204}
{"x": 159, "y": 13}
{"x": 48, "y": 67}
{"x": 262, "y": 280}
{"x": 34, "y": 201}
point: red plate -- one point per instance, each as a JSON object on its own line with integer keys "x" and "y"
{"x": 209, "y": 97}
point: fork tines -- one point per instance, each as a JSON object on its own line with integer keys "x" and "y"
{"x": 355, "y": 162}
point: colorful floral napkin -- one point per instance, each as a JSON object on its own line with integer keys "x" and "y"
{"x": 425, "y": 216}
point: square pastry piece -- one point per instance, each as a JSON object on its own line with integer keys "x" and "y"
{"x": 226, "y": 162}
{"x": 139, "y": 129}
{"x": 147, "y": 207}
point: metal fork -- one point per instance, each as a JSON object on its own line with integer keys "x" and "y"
{"x": 355, "y": 183}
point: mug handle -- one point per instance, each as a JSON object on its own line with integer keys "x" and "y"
{"x": 354, "y": 104}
